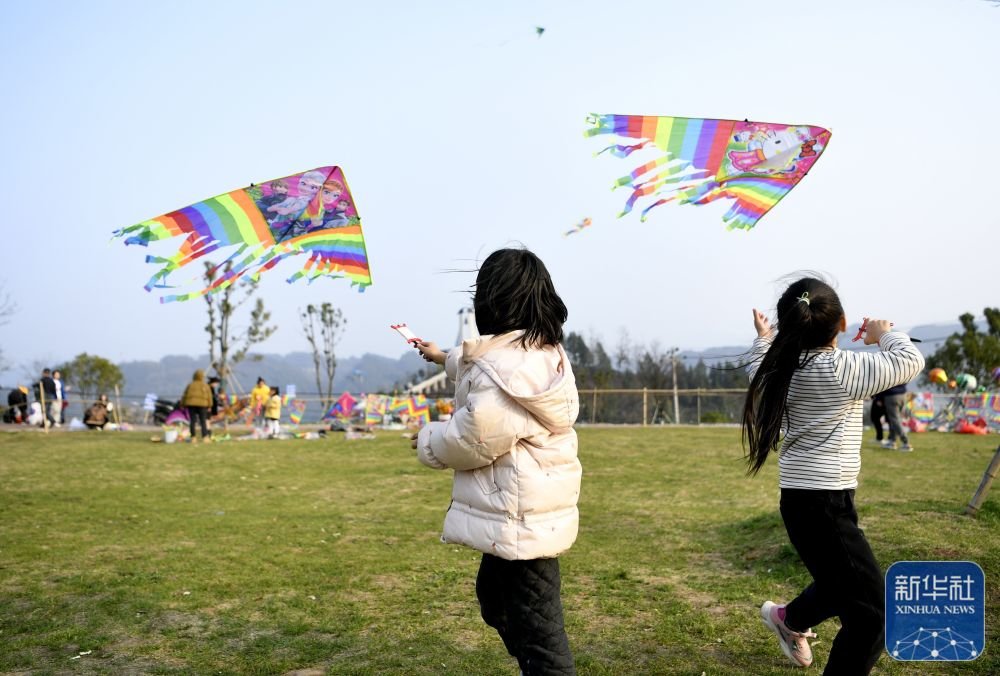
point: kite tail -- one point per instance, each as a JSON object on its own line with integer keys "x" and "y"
{"x": 622, "y": 125}
{"x": 622, "y": 151}
{"x": 335, "y": 253}
{"x": 144, "y": 233}
{"x": 225, "y": 280}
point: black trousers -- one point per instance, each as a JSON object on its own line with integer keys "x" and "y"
{"x": 200, "y": 414}
{"x": 847, "y": 580}
{"x": 521, "y": 600}
{"x": 878, "y": 412}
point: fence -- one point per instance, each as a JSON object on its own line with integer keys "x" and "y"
{"x": 661, "y": 407}
{"x": 599, "y": 406}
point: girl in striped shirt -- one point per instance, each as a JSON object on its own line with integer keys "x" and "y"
{"x": 802, "y": 385}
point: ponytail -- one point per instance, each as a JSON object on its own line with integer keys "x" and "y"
{"x": 809, "y": 314}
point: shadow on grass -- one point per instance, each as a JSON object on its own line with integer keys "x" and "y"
{"x": 759, "y": 542}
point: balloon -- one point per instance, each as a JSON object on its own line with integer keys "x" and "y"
{"x": 937, "y": 376}
{"x": 966, "y": 381}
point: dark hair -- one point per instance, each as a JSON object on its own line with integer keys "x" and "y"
{"x": 515, "y": 292}
{"x": 274, "y": 391}
{"x": 809, "y": 314}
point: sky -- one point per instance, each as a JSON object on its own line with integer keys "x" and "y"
{"x": 460, "y": 131}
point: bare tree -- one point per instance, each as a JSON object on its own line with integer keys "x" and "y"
{"x": 7, "y": 308}
{"x": 331, "y": 323}
{"x": 226, "y": 346}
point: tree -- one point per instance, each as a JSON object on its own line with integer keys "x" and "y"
{"x": 91, "y": 375}
{"x": 331, "y": 323}
{"x": 971, "y": 351}
{"x": 225, "y": 347}
{"x": 7, "y": 308}
{"x": 577, "y": 351}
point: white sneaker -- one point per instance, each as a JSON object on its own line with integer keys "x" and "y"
{"x": 793, "y": 643}
{"x": 906, "y": 448}
{"x": 889, "y": 444}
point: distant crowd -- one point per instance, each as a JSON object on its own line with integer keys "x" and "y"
{"x": 50, "y": 401}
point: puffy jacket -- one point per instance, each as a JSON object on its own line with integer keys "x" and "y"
{"x": 273, "y": 407}
{"x": 197, "y": 394}
{"x": 512, "y": 445}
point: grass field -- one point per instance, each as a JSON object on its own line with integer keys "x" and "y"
{"x": 270, "y": 557}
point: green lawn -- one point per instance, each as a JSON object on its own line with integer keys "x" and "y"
{"x": 269, "y": 556}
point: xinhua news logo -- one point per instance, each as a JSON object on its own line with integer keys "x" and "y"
{"x": 935, "y": 610}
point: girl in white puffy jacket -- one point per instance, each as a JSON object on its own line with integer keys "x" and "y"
{"x": 512, "y": 445}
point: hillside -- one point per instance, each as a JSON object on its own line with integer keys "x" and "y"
{"x": 367, "y": 373}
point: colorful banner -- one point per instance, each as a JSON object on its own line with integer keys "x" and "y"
{"x": 921, "y": 406}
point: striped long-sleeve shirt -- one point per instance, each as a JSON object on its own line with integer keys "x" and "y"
{"x": 823, "y": 426}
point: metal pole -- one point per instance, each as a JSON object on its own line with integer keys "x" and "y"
{"x": 698, "y": 400}
{"x": 45, "y": 411}
{"x": 593, "y": 408}
{"x": 645, "y": 405}
{"x": 118, "y": 406}
{"x": 677, "y": 409}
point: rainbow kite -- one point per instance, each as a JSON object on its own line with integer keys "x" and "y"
{"x": 698, "y": 161}
{"x": 341, "y": 408}
{"x": 295, "y": 411}
{"x": 415, "y": 407}
{"x": 310, "y": 213}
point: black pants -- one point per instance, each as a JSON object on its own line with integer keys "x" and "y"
{"x": 198, "y": 413}
{"x": 847, "y": 581}
{"x": 878, "y": 411}
{"x": 520, "y": 599}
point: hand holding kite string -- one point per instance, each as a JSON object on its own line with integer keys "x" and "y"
{"x": 404, "y": 331}
{"x": 429, "y": 351}
{"x": 871, "y": 330}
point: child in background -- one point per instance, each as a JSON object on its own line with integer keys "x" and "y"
{"x": 272, "y": 414}
{"x": 801, "y": 382}
{"x": 512, "y": 445}
{"x": 258, "y": 398}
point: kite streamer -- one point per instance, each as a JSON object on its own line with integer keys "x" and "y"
{"x": 311, "y": 213}
{"x": 701, "y": 160}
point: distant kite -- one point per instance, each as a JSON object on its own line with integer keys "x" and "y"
{"x": 539, "y": 31}
{"x": 585, "y": 223}
{"x": 702, "y": 160}
{"x": 310, "y": 213}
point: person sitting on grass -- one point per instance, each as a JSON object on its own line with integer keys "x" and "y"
{"x": 98, "y": 414}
